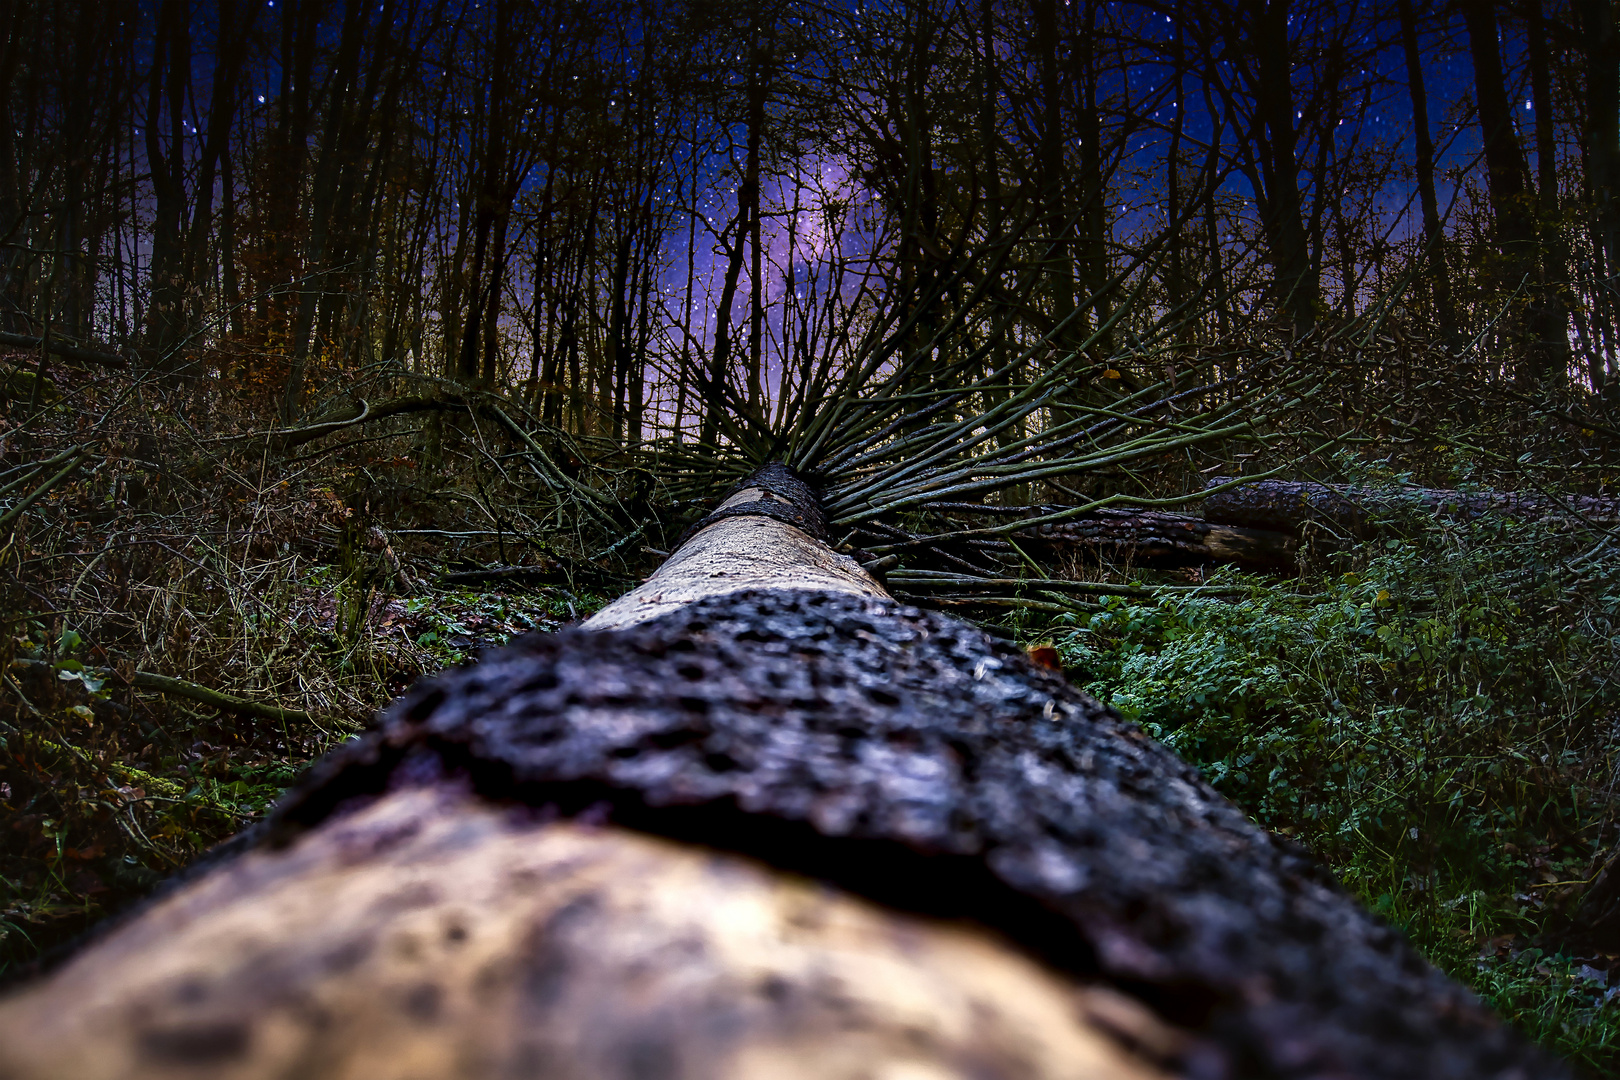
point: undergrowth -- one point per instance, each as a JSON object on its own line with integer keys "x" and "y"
{"x": 1432, "y": 710}
{"x": 313, "y": 588}
{"x": 113, "y": 789}
{"x": 1434, "y": 714}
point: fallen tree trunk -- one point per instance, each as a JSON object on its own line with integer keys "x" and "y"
{"x": 1258, "y": 524}
{"x": 1289, "y": 505}
{"x": 1153, "y": 537}
{"x": 1148, "y": 537}
{"x": 1594, "y": 925}
{"x": 66, "y": 349}
{"x": 588, "y": 856}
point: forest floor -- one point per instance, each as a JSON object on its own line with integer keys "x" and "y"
{"x": 1433, "y": 713}
{"x": 1435, "y": 718}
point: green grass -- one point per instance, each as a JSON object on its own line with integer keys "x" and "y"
{"x": 105, "y": 790}
{"x": 1433, "y": 716}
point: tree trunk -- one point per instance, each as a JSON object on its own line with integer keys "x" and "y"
{"x": 1154, "y": 538}
{"x": 1552, "y": 309}
{"x": 348, "y": 115}
{"x": 1093, "y": 241}
{"x": 766, "y": 534}
{"x": 1141, "y": 537}
{"x": 741, "y": 228}
{"x": 1602, "y": 140}
{"x": 1175, "y": 279}
{"x": 1055, "y": 179}
{"x": 169, "y": 83}
{"x": 587, "y": 856}
{"x": 1594, "y": 925}
{"x": 1433, "y": 237}
{"x": 1507, "y": 174}
{"x": 1288, "y": 505}
{"x": 1281, "y": 209}
{"x": 618, "y": 335}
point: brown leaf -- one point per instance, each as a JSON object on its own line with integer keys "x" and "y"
{"x": 1045, "y": 655}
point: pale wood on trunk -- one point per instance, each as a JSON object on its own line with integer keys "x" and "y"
{"x": 736, "y": 553}
{"x": 432, "y": 934}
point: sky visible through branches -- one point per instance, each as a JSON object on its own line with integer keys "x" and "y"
{"x": 513, "y": 191}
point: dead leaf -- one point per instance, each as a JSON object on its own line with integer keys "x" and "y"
{"x": 1045, "y": 655}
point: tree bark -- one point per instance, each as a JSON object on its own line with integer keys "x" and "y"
{"x": 61, "y": 348}
{"x": 1277, "y": 141}
{"x": 1149, "y": 537}
{"x": 348, "y": 112}
{"x": 586, "y": 856}
{"x": 1594, "y": 925}
{"x": 743, "y": 552}
{"x": 1543, "y": 343}
{"x": 169, "y": 82}
{"x": 716, "y": 389}
{"x": 1433, "y": 238}
{"x": 1601, "y": 137}
{"x": 1288, "y": 505}
{"x": 1552, "y": 313}
{"x": 1055, "y": 179}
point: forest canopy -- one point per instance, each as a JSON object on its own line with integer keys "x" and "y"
{"x": 641, "y": 214}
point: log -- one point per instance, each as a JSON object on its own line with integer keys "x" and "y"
{"x": 1147, "y": 537}
{"x": 431, "y": 934}
{"x": 1156, "y": 538}
{"x": 748, "y": 542}
{"x": 65, "y": 349}
{"x": 1288, "y": 505}
{"x": 1594, "y": 925}
{"x": 767, "y": 832}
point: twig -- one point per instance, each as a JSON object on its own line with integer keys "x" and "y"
{"x": 62, "y": 348}
{"x": 163, "y": 684}
{"x": 146, "y": 680}
{"x": 10, "y": 516}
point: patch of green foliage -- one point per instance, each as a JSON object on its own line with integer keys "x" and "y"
{"x": 455, "y": 624}
{"x": 1434, "y": 717}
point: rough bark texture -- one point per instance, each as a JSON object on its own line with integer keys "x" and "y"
{"x": 1145, "y": 537}
{"x": 909, "y": 758}
{"x": 771, "y": 491}
{"x": 1287, "y": 505}
{"x": 436, "y": 934}
{"x": 1156, "y": 538}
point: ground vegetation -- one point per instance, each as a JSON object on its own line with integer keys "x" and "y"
{"x": 344, "y": 341}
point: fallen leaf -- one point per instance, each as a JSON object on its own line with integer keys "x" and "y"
{"x": 1046, "y": 656}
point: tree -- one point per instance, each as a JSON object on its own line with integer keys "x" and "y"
{"x": 181, "y": 232}
{"x": 1423, "y": 145}
{"x": 1544, "y": 343}
{"x": 1601, "y": 137}
{"x": 757, "y": 22}
{"x": 1257, "y": 34}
